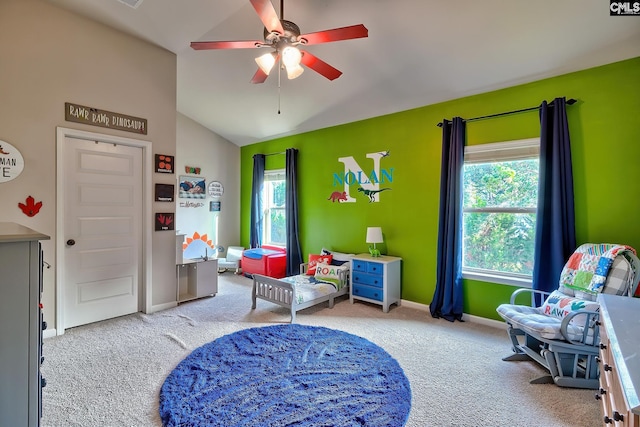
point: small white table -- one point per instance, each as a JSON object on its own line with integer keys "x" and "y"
{"x": 375, "y": 279}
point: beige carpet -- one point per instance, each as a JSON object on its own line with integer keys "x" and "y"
{"x": 110, "y": 373}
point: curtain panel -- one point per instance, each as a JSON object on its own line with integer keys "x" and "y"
{"x": 555, "y": 222}
{"x": 294, "y": 254}
{"x": 257, "y": 218}
{"x": 447, "y": 298}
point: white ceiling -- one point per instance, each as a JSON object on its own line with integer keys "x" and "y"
{"x": 418, "y": 52}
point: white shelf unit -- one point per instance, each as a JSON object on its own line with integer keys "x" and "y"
{"x": 197, "y": 278}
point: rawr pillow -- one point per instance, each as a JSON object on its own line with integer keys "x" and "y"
{"x": 560, "y": 305}
{"x": 316, "y": 259}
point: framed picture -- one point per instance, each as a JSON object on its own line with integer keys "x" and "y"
{"x": 214, "y": 206}
{"x": 165, "y": 192}
{"x": 165, "y": 221}
{"x": 164, "y": 163}
{"x": 192, "y": 187}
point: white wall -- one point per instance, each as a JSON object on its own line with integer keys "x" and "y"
{"x": 219, "y": 160}
{"x": 49, "y": 56}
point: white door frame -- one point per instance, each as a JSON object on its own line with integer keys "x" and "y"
{"x": 144, "y": 302}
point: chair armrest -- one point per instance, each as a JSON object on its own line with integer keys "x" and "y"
{"x": 529, "y": 291}
{"x": 589, "y": 323}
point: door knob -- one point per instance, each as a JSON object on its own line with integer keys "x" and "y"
{"x": 71, "y": 242}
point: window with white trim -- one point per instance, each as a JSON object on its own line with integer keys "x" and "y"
{"x": 500, "y": 196}
{"x": 273, "y": 196}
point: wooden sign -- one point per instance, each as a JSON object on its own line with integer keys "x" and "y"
{"x": 106, "y": 119}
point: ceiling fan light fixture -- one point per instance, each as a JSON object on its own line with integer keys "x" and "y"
{"x": 266, "y": 62}
{"x": 291, "y": 57}
{"x": 294, "y": 72}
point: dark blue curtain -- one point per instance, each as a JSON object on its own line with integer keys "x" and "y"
{"x": 257, "y": 217}
{"x": 555, "y": 220}
{"x": 447, "y": 299}
{"x": 294, "y": 254}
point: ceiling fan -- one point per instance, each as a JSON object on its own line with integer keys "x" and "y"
{"x": 283, "y": 38}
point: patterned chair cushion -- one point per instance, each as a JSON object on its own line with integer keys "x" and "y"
{"x": 532, "y": 320}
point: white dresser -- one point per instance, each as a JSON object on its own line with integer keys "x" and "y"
{"x": 21, "y": 325}
{"x": 619, "y": 360}
{"x": 375, "y": 279}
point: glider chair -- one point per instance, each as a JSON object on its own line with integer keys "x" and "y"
{"x": 562, "y": 335}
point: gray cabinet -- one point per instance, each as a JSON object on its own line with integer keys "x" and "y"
{"x": 375, "y": 279}
{"x": 197, "y": 279}
{"x": 21, "y": 325}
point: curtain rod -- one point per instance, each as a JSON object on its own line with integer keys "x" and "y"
{"x": 569, "y": 102}
{"x": 275, "y": 154}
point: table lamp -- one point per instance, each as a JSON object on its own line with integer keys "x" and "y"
{"x": 374, "y": 235}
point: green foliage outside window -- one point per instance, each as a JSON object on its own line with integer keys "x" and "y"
{"x": 495, "y": 237}
{"x": 277, "y": 218}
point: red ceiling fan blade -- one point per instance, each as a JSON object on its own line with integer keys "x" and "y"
{"x": 319, "y": 66}
{"x": 259, "y": 76}
{"x": 268, "y": 15}
{"x": 248, "y": 44}
{"x": 336, "y": 34}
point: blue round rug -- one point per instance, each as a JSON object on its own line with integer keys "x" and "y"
{"x": 286, "y": 375}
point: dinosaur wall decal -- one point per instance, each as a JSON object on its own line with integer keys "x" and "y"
{"x": 337, "y": 195}
{"x": 371, "y": 194}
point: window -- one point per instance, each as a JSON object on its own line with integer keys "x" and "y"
{"x": 500, "y": 197}
{"x": 273, "y": 197}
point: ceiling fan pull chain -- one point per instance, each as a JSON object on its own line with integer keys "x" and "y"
{"x": 279, "y": 68}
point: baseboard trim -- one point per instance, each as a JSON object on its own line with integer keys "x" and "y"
{"x": 49, "y": 333}
{"x": 160, "y": 307}
{"x": 466, "y": 317}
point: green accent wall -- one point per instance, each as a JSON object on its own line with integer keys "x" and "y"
{"x": 605, "y": 138}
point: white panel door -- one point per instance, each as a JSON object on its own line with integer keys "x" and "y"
{"x": 103, "y": 232}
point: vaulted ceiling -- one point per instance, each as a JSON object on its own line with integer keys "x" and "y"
{"x": 418, "y": 52}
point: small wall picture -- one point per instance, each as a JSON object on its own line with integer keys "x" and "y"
{"x": 192, "y": 187}
{"x": 164, "y": 163}
{"x": 165, "y": 192}
{"x": 214, "y": 206}
{"x": 164, "y": 221}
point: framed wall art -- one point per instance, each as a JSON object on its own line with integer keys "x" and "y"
{"x": 164, "y": 163}
{"x": 165, "y": 192}
{"x": 165, "y": 221}
{"x": 191, "y": 187}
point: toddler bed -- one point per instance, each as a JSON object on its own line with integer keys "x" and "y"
{"x": 303, "y": 290}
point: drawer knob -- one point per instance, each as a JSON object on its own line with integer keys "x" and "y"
{"x": 602, "y": 346}
{"x": 607, "y": 367}
{"x": 617, "y": 416}
{"x": 608, "y": 420}
{"x": 598, "y": 360}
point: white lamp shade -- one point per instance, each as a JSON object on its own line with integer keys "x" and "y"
{"x": 374, "y": 235}
{"x": 291, "y": 57}
{"x": 266, "y": 62}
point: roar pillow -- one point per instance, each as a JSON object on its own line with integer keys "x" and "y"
{"x": 316, "y": 259}
{"x": 331, "y": 274}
